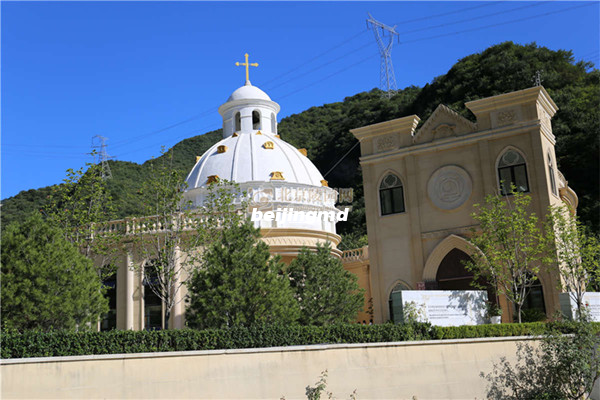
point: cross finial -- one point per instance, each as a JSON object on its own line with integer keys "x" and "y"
{"x": 538, "y": 77}
{"x": 247, "y": 65}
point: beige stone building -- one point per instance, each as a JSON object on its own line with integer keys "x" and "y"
{"x": 421, "y": 183}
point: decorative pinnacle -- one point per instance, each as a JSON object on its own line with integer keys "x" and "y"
{"x": 247, "y": 65}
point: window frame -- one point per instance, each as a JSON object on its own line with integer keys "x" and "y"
{"x": 391, "y": 191}
{"x": 552, "y": 173}
{"x": 511, "y": 169}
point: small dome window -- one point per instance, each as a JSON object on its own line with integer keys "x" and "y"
{"x": 256, "y": 120}
{"x": 273, "y": 123}
{"x": 238, "y": 122}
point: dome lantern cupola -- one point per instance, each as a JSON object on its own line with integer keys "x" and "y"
{"x": 249, "y": 109}
{"x": 272, "y": 172}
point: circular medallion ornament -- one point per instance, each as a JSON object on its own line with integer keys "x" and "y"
{"x": 449, "y": 187}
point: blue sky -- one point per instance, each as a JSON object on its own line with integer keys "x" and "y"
{"x": 127, "y": 70}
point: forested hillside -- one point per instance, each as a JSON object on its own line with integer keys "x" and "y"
{"x": 324, "y": 130}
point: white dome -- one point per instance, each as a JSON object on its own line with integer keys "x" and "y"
{"x": 248, "y": 92}
{"x": 249, "y": 158}
{"x": 272, "y": 172}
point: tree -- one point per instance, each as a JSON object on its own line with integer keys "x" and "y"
{"x": 561, "y": 367}
{"x": 512, "y": 246}
{"x": 46, "y": 282}
{"x": 170, "y": 239}
{"x": 577, "y": 254}
{"x": 324, "y": 290}
{"x": 78, "y": 207}
{"x": 240, "y": 284}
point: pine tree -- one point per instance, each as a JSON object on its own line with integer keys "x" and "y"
{"x": 240, "y": 284}
{"x": 324, "y": 290}
{"x": 46, "y": 282}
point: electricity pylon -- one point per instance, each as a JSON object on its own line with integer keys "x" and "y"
{"x": 99, "y": 142}
{"x": 384, "y": 36}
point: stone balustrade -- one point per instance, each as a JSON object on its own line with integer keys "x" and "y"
{"x": 151, "y": 224}
{"x": 360, "y": 254}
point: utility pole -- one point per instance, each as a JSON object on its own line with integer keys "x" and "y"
{"x": 384, "y": 36}
{"x": 99, "y": 142}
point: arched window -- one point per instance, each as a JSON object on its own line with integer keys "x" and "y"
{"x": 256, "y": 120}
{"x": 273, "y": 124}
{"x": 238, "y": 122}
{"x": 395, "y": 302}
{"x": 551, "y": 173}
{"x": 512, "y": 170}
{"x": 391, "y": 195}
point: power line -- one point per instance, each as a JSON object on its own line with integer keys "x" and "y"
{"x": 212, "y": 110}
{"x": 474, "y": 18}
{"x": 326, "y": 52}
{"x": 411, "y": 41}
{"x": 44, "y": 154}
{"x": 487, "y": 4}
{"x": 135, "y": 138}
{"x": 495, "y": 25}
{"x": 40, "y": 145}
{"x": 354, "y": 51}
{"x": 341, "y": 159}
{"x": 325, "y": 64}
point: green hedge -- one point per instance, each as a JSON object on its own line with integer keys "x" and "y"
{"x": 60, "y": 343}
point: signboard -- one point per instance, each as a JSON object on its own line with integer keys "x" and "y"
{"x": 591, "y": 300}
{"x": 447, "y": 307}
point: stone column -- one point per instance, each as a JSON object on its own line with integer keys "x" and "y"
{"x": 125, "y": 292}
{"x": 129, "y": 292}
{"x": 176, "y": 320}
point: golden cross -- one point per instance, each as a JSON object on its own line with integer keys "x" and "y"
{"x": 247, "y": 65}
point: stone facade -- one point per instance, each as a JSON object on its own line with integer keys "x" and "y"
{"x": 440, "y": 171}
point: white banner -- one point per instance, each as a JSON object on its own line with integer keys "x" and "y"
{"x": 447, "y": 307}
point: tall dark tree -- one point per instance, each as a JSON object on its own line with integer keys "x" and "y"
{"x": 78, "y": 207}
{"x": 240, "y": 284}
{"x": 46, "y": 282}
{"x": 173, "y": 231}
{"x": 324, "y": 290}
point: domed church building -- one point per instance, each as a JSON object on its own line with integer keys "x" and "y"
{"x": 420, "y": 182}
{"x": 274, "y": 174}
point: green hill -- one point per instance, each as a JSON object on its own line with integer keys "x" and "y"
{"x": 324, "y": 130}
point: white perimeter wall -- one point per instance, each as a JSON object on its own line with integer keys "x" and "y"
{"x": 428, "y": 370}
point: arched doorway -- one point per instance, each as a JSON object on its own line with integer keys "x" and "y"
{"x": 452, "y": 273}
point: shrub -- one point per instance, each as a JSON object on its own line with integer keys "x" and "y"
{"x": 66, "y": 343}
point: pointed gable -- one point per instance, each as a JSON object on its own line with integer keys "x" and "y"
{"x": 442, "y": 123}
